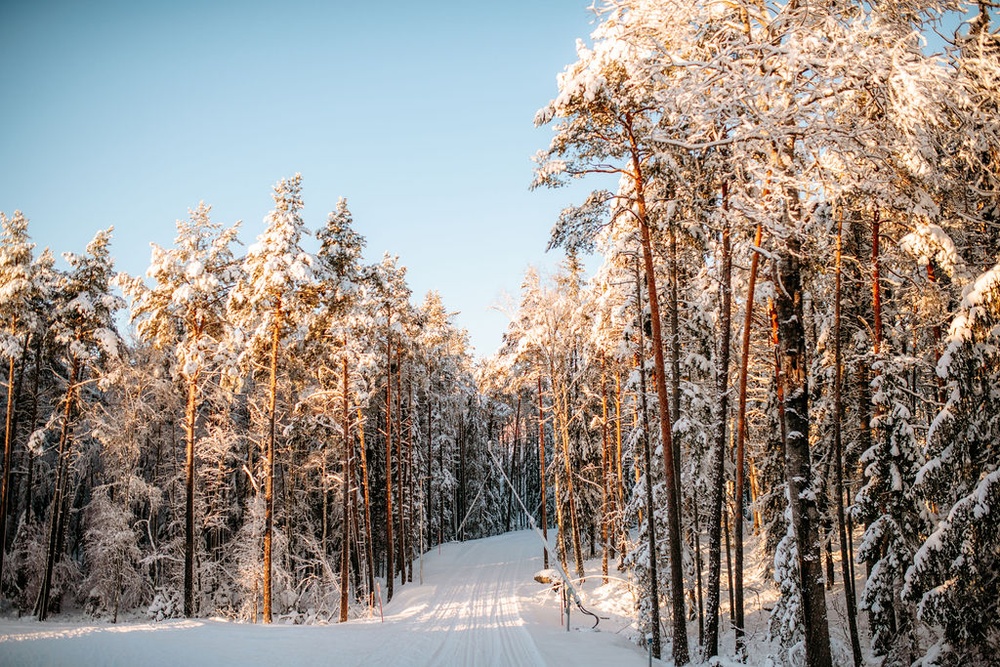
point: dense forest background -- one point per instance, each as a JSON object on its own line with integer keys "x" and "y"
{"x": 792, "y": 347}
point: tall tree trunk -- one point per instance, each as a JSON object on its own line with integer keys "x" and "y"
{"x": 541, "y": 474}
{"x": 190, "y": 416}
{"x": 675, "y": 355}
{"x": 696, "y": 532}
{"x": 462, "y": 494}
{"x": 369, "y": 547}
{"x": 325, "y": 509}
{"x": 430, "y": 470}
{"x": 717, "y": 487}
{"x": 410, "y": 484}
{"x": 272, "y": 400}
{"x": 729, "y": 563}
{"x": 563, "y": 418}
{"x": 798, "y": 466}
{"x": 605, "y": 473}
{"x": 8, "y": 445}
{"x": 515, "y": 453}
{"x": 345, "y": 540}
{"x": 560, "y": 510}
{"x": 865, "y": 392}
{"x": 876, "y": 285}
{"x": 441, "y": 500}
{"x": 741, "y": 438}
{"x": 620, "y": 486}
{"x": 838, "y": 453}
{"x": 390, "y": 572}
{"x": 32, "y": 424}
{"x": 654, "y": 579}
{"x": 508, "y": 506}
{"x": 680, "y": 641}
{"x": 400, "y": 464}
{"x": 936, "y": 333}
{"x": 62, "y": 470}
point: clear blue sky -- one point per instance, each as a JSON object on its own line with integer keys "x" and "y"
{"x": 129, "y": 113}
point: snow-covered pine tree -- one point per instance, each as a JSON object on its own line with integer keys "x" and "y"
{"x": 339, "y": 276}
{"x": 34, "y": 385}
{"x": 270, "y": 300}
{"x": 389, "y": 303}
{"x": 16, "y": 314}
{"x": 607, "y": 119}
{"x": 442, "y": 354}
{"x": 85, "y": 335}
{"x": 184, "y": 313}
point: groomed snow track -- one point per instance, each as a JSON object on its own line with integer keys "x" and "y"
{"x": 479, "y": 605}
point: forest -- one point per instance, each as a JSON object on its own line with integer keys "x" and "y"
{"x": 789, "y": 354}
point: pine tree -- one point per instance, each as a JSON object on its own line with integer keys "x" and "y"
{"x": 269, "y": 301}
{"x": 184, "y": 312}
{"x": 339, "y": 276}
{"x": 16, "y": 315}
{"x": 391, "y": 295}
{"x": 85, "y": 333}
{"x": 607, "y": 115}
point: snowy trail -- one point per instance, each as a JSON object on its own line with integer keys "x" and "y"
{"x": 478, "y": 606}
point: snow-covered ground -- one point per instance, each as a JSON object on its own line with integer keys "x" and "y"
{"x": 479, "y": 605}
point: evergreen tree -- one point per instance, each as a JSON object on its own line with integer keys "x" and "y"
{"x": 953, "y": 573}
{"x": 85, "y": 333}
{"x": 184, "y": 312}
{"x": 16, "y": 315}
{"x": 270, "y": 299}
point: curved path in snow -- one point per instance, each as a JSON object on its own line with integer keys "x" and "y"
{"x": 478, "y": 606}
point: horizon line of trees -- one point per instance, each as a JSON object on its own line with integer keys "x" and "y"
{"x": 284, "y": 434}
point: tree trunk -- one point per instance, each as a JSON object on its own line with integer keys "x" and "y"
{"x": 798, "y": 466}
{"x": 190, "y": 415}
{"x": 462, "y": 495}
{"x": 515, "y": 454}
{"x": 838, "y": 454}
{"x": 563, "y": 419}
{"x": 410, "y": 484}
{"x": 717, "y": 487}
{"x": 696, "y": 532}
{"x": 272, "y": 399}
{"x": 33, "y": 422}
{"x": 675, "y": 356}
{"x": 560, "y": 520}
{"x": 654, "y": 580}
{"x": 541, "y": 474}
{"x": 8, "y": 444}
{"x": 741, "y": 437}
{"x": 430, "y": 470}
{"x": 345, "y": 540}
{"x": 680, "y": 642}
{"x": 369, "y": 547}
{"x": 876, "y": 285}
{"x": 509, "y": 505}
{"x": 390, "y": 572}
{"x": 400, "y": 461}
{"x": 55, "y": 516}
{"x": 620, "y": 487}
{"x": 605, "y": 473}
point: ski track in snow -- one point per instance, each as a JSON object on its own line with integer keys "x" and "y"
{"x": 479, "y": 605}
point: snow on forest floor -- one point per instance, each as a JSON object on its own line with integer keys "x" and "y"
{"x": 479, "y": 605}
